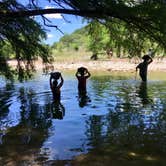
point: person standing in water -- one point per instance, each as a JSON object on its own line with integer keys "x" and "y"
{"x": 82, "y": 75}
{"x": 55, "y": 86}
{"x": 143, "y": 67}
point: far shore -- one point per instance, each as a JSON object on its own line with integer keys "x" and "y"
{"x": 113, "y": 64}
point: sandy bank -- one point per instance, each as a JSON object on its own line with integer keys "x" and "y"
{"x": 102, "y": 65}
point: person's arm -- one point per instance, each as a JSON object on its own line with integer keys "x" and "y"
{"x": 77, "y": 74}
{"x": 51, "y": 82}
{"x": 150, "y": 60}
{"x": 88, "y": 73}
{"x": 61, "y": 82}
{"x": 138, "y": 66}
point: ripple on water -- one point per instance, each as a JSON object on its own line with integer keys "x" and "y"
{"x": 117, "y": 116}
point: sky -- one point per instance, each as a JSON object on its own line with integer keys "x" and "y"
{"x": 53, "y": 35}
{"x": 67, "y": 25}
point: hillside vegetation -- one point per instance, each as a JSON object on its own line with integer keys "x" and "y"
{"x": 96, "y": 39}
{"x": 72, "y": 47}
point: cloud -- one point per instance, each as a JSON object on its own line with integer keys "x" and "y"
{"x": 53, "y": 16}
{"x": 50, "y": 35}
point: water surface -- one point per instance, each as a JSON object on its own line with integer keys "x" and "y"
{"x": 120, "y": 121}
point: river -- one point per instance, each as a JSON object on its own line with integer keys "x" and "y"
{"x": 120, "y": 121}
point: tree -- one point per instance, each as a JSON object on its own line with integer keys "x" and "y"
{"x": 24, "y": 35}
{"x": 118, "y": 38}
{"x": 147, "y": 16}
{"x": 99, "y": 36}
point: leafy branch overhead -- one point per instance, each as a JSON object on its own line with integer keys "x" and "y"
{"x": 146, "y": 16}
{"x": 19, "y": 28}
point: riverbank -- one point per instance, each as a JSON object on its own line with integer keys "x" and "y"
{"x": 113, "y": 64}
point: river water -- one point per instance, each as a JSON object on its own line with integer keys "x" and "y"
{"x": 120, "y": 121}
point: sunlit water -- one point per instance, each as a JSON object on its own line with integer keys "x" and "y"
{"x": 120, "y": 118}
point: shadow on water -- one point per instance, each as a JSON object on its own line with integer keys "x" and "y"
{"x": 119, "y": 121}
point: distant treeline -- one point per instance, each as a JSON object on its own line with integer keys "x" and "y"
{"x": 111, "y": 40}
{"x": 100, "y": 40}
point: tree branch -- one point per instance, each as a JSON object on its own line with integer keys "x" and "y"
{"x": 83, "y": 13}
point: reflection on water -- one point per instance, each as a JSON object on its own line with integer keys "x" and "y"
{"x": 143, "y": 94}
{"x": 119, "y": 120}
{"x": 57, "y": 110}
{"x": 83, "y": 99}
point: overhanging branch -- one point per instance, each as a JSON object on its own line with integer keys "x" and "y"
{"x": 83, "y": 13}
{"x": 143, "y": 22}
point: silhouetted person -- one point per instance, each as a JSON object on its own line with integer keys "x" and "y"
{"x": 82, "y": 75}
{"x": 109, "y": 52}
{"x": 94, "y": 56}
{"x": 58, "y": 110}
{"x": 143, "y": 67}
{"x": 55, "y": 86}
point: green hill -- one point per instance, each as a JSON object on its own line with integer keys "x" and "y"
{"x": 76, "y": 41}
{"x": 73, "y": 47}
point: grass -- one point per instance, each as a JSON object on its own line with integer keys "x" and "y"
{"x": 71, "y": 56}
{"x": 76, "y": 56}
